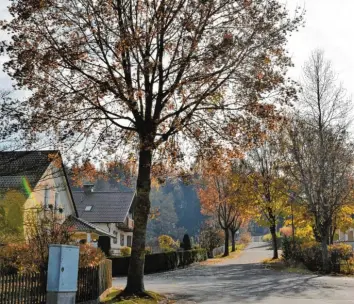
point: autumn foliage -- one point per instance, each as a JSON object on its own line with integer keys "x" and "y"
{"x": 160, "y": 79}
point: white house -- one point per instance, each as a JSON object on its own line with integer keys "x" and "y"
{"x": 111, "y": 211}
{"x": 37, "y": 180}
{"x": 346, "y": 236}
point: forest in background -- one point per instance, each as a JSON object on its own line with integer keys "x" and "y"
{"x": 175, "y": 204}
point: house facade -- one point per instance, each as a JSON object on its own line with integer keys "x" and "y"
{"x": 36, "y": 181}
{"x": 111, "y": 211}
{"x": 346, "y": 236}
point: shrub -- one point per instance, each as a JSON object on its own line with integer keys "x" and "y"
{"x": 148, "y": 250}
{"x": 17, "y": 258}
{"x": 210, "y": 238}
{"x": 286, "y": 231}
{"x": 339, "y": 252}
{"x": 245, "y": 238}
{"x": 160, "y": 261}
{"x": 21, "y": 258}
{"x": 126, "y": 251}
{"x": 287, "y": 249}
{"x": 311, "y": 256}
{"x": 268, "y": 239}
{"x": 90, "y": 256}
{"x": 186, "y": 242}
{"x": 166, "y": 243}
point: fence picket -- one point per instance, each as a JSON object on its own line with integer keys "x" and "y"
{"x": 11, "y": 289}
{"x": 6, "y": 288}
{"x": 30, "y": 288}
{"x": 12, "y": 286}
{"x": 1, "y": 288}
{"x": 25, "y": 288}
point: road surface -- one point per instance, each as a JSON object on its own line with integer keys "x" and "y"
{"x": 244, "y": 280}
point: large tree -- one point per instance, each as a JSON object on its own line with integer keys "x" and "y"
{"x": 268, "y": 184}
{"x": 320, "y": 149}
{"x": 216, "y": 200}
{"x": 223, "y": 194}
{"x": 147, "y": 75}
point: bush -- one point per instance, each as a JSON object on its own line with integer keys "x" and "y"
{"x": 125, "y": 251}
{"x": 210, "y": 238}
{"x": 310, "y": 254}
{"x": 90, "y": 256}
{"x": 186, "y": 242}
{"x": 286, "y": 231}
{"x": 287, "y": 250}
{"x": 160, "y": 261}
{"x": 21, "y": 258}
{"x": 268, "y": 239}
{"x": 17, "y": 258}
{"x": 148, "y": 250}
{"x": 339, "y": 252}
{"x": 166, "y": 243}
{"x": 245, "y": 238}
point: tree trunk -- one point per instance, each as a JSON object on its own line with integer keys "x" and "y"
{"x": 316, "y": 234}
{"x": 325, "y": 258}
{"x": 226, "y": 251}
{"x": 274, "y": 241}
{"x": 233, "y": 243}
{"x": 141, "y": 209}
{"x": 332, "y": 234}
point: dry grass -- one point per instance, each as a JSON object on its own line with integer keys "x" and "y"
{"x": 279, "y": 264}
{"x": 154, "y": 298}
{"x": 220, "y": 258}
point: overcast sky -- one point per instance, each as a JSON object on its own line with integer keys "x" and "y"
{"x": 329, "y": 26}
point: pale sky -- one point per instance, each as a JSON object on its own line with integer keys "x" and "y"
{"x": 329, "y": 26}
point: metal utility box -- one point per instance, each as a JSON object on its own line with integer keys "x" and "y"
{"x": 63, "y": 269}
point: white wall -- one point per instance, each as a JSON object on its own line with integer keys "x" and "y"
{"x": 54, "y": 179}
{"x": 112, "y": 228}
{"x": 345, "y": 236}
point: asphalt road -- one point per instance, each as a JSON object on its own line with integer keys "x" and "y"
{"x": 243, "y": 280}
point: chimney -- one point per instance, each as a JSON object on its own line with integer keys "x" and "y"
{"x": 88, "y": 187}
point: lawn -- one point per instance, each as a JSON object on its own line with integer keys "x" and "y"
{"x": 153, "y": 298}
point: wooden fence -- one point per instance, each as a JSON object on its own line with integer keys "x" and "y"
{"x": 31, "y": 288}
{"x": 23, "y": 288}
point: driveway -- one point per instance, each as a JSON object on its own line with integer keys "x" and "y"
{"x": 245, "y": 280}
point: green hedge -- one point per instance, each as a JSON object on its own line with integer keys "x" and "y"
{"x": 160, "y": 261}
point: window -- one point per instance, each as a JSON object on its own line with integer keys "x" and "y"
{"x": 56, "y": 203}
{"x": 115, "y": 241}
{"x": 46, "y": 197}
{"x": 122, "y": 239}
{"x": 129, "y": 241}
{"x": 88, "y": 208}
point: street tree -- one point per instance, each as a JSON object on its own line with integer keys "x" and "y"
{"x": 147, "y": 76}
{"x": 216, "y": 197}
{"x": 321, "y": 151}
{"x": 269, "y": 185}
{"x": 241, "y": 198}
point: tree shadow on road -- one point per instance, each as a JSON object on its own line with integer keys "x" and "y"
{"x": 249, "y": 283}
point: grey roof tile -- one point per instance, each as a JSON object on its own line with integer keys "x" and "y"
{"x": 16, "y": 165}
{"x": 107, "y": 207}
{"x": 81, "y": 225}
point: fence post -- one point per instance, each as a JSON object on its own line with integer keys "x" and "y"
{"x": 62, "y": 274}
